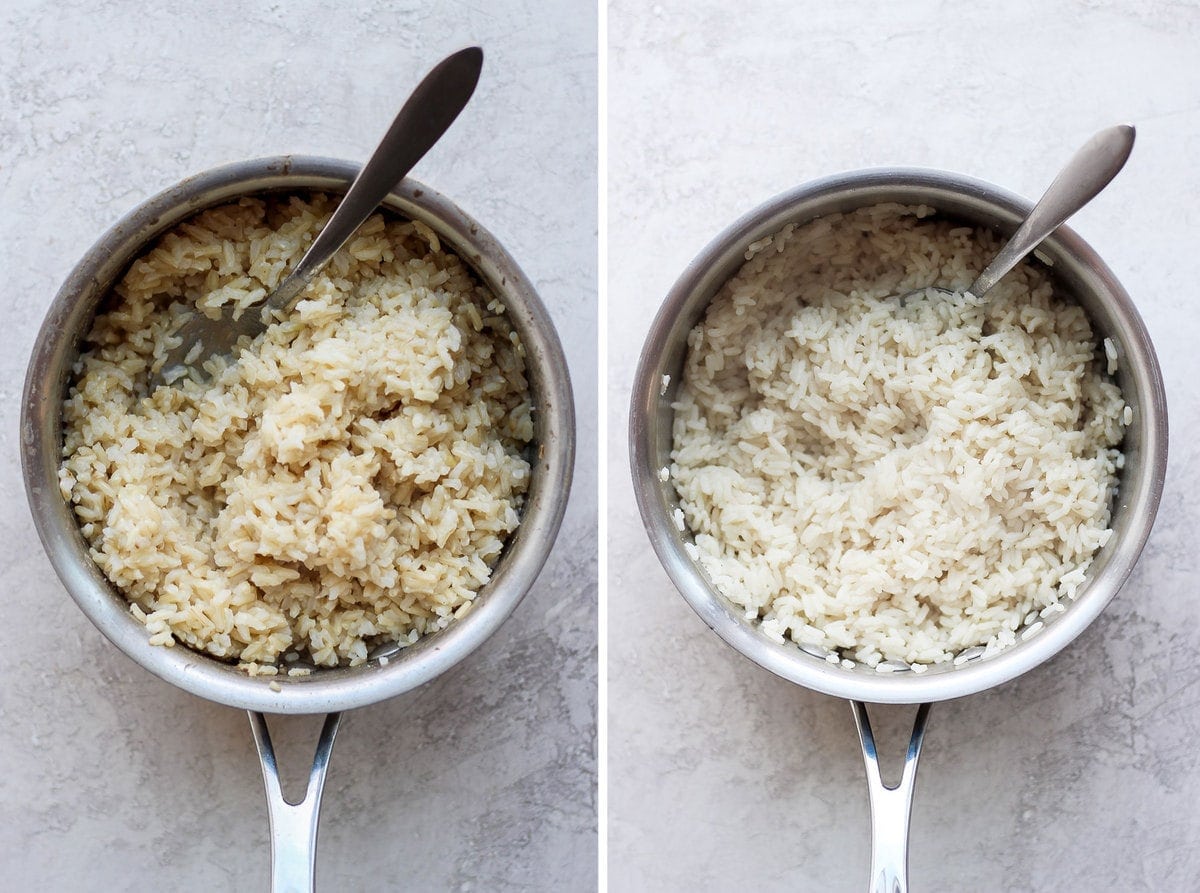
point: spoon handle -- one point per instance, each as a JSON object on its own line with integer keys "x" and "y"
{"x": 427, "y": 114}
{"x": 1092, "y": 168}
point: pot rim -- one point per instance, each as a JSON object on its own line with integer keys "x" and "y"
{"x": 326, "y": 690}
{"x": 650, "y": 413}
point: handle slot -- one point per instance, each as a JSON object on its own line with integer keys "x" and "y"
{"x": 293, "y": 824}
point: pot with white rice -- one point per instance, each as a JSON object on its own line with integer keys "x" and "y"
{"x": 896, "y": 504}
{"x": 341, "y": 513}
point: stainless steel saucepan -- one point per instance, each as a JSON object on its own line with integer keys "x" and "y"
{"x": 391, "y": 670}
{"x": 1081, "y": 273}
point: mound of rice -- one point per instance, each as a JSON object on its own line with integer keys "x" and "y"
{"x": 886, "y": 484}
{"x": 349, "y": 481}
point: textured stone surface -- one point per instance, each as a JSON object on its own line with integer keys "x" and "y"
{"x": 1082, "y": 775}
{"x": 483, "y": 779}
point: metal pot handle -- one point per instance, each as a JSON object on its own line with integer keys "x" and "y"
{"x": 890, "y": 806}
{"x": 293, "y": 825}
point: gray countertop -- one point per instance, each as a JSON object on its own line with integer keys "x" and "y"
{"x": 1085, "y": 773}
{"x": 1080, "y": 775}
{"x": 113, "y": 780}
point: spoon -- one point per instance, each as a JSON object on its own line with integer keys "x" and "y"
{"x": 426, "y": 115}
{"x": 1089, "y": 171}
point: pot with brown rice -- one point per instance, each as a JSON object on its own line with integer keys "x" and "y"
{"x": 341, "y": 514}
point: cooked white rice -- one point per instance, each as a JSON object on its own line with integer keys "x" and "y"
{"x": 351, "y": 480}
{"x": 894, "y": 484}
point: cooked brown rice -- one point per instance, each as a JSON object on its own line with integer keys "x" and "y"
{"x": 888, "y": 484}
{"x": 351, "y": 480}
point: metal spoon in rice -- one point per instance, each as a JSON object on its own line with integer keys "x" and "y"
{"x": 1089, "y": 171}
{"x": 427, "y": 114}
